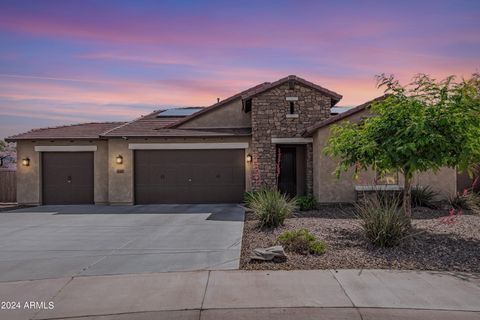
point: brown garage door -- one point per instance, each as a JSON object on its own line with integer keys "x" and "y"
{"x": 67, "y": 177}
{"x": 189, "y": 176}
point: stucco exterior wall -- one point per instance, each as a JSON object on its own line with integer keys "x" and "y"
{"x": 121, "y": 177}
{"x": 229, "y": 115}
{"x": 443, "y": 182}
{"x": 29, "y": 179}
{"x": 329, "y": 189}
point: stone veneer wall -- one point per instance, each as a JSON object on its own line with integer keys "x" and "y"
{"x": 269, "y": 120}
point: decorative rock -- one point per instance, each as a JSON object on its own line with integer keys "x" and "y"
{"x": 267, "y": 254}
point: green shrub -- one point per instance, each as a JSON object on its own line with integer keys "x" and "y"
{"x": 423, "y": 197}
{"x": 318, "y": 247}
{"x": 306, "y": 203}
{"x": 383, "y": 222}
{"x": 301, "y": 241}
{"x": 271, "y": 207}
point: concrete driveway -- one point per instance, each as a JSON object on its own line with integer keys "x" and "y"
{"x": 64, "y": 241}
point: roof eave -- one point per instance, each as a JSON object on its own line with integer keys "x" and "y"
{"x": 14, "y": 139}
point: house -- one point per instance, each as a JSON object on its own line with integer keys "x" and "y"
{"x": 270, "y": 135}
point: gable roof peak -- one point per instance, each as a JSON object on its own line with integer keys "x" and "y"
{"x": 335, "y": 96}
{"x": 255, "y": 90}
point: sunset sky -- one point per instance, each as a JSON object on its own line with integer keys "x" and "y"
{"x": 75, "y": 61}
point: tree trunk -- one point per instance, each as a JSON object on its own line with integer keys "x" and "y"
{"x": 407, "y": 196}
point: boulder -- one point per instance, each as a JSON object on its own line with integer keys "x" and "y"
{"x": 267, "y": 254}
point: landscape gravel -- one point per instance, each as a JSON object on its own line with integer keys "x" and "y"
{"x": 433, "y": 245}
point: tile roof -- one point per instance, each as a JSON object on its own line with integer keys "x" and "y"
{"x": 153, "y": 126}
{"x": 143, "y": 126}
{"x": 90, "y": 130}
{"x": 147, "y": 126}
{"x": 310, "y": 130}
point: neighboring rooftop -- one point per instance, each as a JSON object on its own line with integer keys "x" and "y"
{"x": 90, "y": 130}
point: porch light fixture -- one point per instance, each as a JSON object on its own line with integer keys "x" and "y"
{"x": 26, "y": 162}
{"x": 119, "y": 159}
{"x": 249, "y": 158}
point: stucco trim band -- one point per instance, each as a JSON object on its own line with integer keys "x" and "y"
{"x": 187, "y": 146}
{"x": 292, "y": 140}
{"x": 65, "y": 148}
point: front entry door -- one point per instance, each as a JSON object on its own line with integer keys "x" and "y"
{"x": 287, "y": 178}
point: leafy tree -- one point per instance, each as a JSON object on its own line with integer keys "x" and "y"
{"x": 423, "y": 126}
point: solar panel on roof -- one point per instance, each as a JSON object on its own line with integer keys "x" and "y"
{"x": 178, "y": 112}
{"x": 337, "y": 110}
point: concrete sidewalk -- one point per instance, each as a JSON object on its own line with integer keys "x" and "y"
{"x": 316, "y": 294}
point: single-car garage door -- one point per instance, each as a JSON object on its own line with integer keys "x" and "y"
{"x": 67, "y": 177}
{"x": 189, "y": 176}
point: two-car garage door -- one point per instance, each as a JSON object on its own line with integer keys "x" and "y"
{"x": 189, "y": 176}
{"x": 160, "y": 176}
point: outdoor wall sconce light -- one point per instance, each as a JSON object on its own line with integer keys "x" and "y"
{"x": 249, "y": 158}
{"x": 119, "y": 159}
{"x": 26, "y": 162}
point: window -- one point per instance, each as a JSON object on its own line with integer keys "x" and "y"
{"x": 390, "y": 178}
{"x": 247, "y": 107}
{"x": 292, "y": 107}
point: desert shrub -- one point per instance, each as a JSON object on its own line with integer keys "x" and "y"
{"x": 383, "y": 222}
{"x": 423, "y": 197}
{"x": 473, "y": 201}
{"x": 271, "y": 207}
{"x": 306, "y": 203}
{"x": 301, "y": 241}
{"x": 388, "y": 196}
{"x": 466, "y": 200}
{"x": 248, "y": 197}
{"x": 459, "y": 200}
